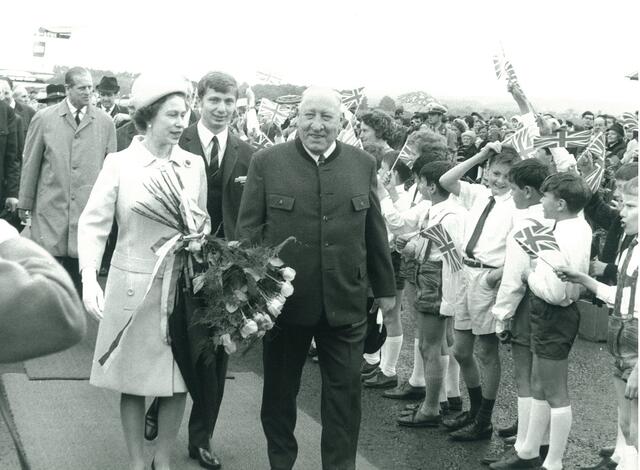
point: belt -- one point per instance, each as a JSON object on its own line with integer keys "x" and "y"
{"x": 474, "y": 263}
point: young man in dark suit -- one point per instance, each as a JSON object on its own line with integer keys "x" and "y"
{"x": 323, "y": 193}
{"x": 226, "y": 159}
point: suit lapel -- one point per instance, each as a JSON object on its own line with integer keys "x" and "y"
{"x": 229, "y": 159}
{"x": 87, "y": 119}
{"x": 191, "y": 143}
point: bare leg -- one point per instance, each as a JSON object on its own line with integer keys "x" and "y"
{"x": 431, "y": 329}
{"x": 170, "y": 414}
{"x": 132, "y": 417}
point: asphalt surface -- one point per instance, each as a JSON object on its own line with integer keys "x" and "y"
{"x": 389, "y": 446}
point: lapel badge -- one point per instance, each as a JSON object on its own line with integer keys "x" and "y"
{"x": 187, "y": 163}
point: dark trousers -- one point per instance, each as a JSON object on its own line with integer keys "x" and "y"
{"x": 72, "y": 267}
{"x": 285, "y": 351}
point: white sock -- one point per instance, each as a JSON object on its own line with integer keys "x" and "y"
{"x": 559, "y": 428}
{"x": 524, "y": 411}
{"x": 372, "y": 358}
{"x": 538, "y": 422}
{"x": 417, "y": 376}
{"x": 621, "y": 443}
{"x": 453, "y": 377}
{"x": 444, "y": 363}
{"x": 390, "y": 354}
{"x": 629, "y": 459}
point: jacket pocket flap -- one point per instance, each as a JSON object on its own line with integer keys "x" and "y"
{"x": 360, "y": 203}
{"x": 281, "y": 202}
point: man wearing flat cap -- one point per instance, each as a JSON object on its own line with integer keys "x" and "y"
{"x": 323, "y": 193}
{"x": 64, "y": 151}
{"x": 435, "y": 122}
{"x": 108, "y": 90}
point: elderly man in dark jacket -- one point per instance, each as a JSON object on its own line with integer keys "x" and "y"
{"x": 323, "y": 193}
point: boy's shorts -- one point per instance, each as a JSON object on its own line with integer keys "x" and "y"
{"x": 429, "y": 288}
{"x": 521, "y": 322}
{"x": 553, "y": 329}
{"x": 622, "y": 341}
{"x": 473, "y": 311}
{"x": 396, "y": 261}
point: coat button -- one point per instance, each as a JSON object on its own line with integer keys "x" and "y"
{"x": 130, "y": 292}
{"x": 325, "y": 218}
{"x": 280, "y": 201}
{"x": 326, "y": 244}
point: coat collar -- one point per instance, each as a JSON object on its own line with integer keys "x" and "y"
{"x": 177, "y": 157}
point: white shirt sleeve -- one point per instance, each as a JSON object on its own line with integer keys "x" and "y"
{"x": 512, "y": 288}
{"x": 469, "y": 193}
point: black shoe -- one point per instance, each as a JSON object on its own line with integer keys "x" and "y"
{"x": 472, "y": 432}
{"x": 515, "y": 462}
{"x": 509, "y": 430}
{"x": 607, "y": 451}
{"x": 379, "y": 380}
{"x": 151, "y": 422}
{"x": 460, "y": 421}
{"x": 368, "y": 370}
{"x": 488, "y": 459}
{"x": 605, "y": 464}
{"x": 205, "y": 457}
{"x": 455, "y": 403}
{"x": 406, "y": 391}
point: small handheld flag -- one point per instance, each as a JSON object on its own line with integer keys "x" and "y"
{"x": 351, "y": 99}
{"x": 563, "y": 139}
{"x": 439, "y": 235}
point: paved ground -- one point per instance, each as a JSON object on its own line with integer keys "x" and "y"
{"x": 390, "y": 447}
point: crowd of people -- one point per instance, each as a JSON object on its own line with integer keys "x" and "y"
{"x": 428, "y": 215}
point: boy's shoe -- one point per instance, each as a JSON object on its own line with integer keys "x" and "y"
{"x": 509, "y": 430}
{"x": 514, "y": 462}
{"x": 472, "y": 432}
{"x": 367, "y": 370}
{"x": 607, "y": 451}
{"x": 455, "y": 403}
{"x": 379, "y": 380}
{"x": 406, "y": 391}
{"x": 490, "y": 458}
{"x": 605, "y": 464}
{"x": 444, "y": 408}
{"x": 418, "y": 420}
{"x": 459, "y": 421}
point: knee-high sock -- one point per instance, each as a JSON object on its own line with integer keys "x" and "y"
{"x": 372, "y": 358}
{"x": 628, "y": 459}
{"x": 524, "y": 411}
{"x": 417, "y": 376}
{"x": 444, "y": 362}
{"x": 453, "y": 377}
{"x": 621, "y": 443}
{"x": 559, "y": 428}
{"x": 538, "y": 421}
{"x": 390, "y": 354}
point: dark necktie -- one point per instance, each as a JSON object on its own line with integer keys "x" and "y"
{"x": 475, "y": 236}
{"x": 78, "y": 117}
{"x": 214, "y": 164}
{"x": 321, "y": 159}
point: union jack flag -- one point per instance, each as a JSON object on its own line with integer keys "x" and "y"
{"x": 536, "y": 238}
{"x": 262, "y": 142}
{"x": 439, "y": 235}
{"x": 273, "y": 112}
{"x": 268, "y": 78}
{"x": 596, "y": 149}
{"x": 351, "y": 99}
{"x": 407, "y": 156}
{"x": 522, "y": 140}
{"x": 504, "y": 68}
{"x": 348, "y": 136}
{"x": 630, "y": 120}
{"x": 563, "y": 139}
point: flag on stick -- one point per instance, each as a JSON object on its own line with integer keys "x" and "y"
{"x": 536, "y": 238}
{"x": 563, "y": 139}
{"x": 407, "y": 156}
{"x": 348, "y": 136}
{"x": 262, "y": 141}
{"x": 273, "y": 112}
{"x": 630, "y": 120}
{"x": 596, "y": 149}
{"x": 439, "y": 235}
{"x": 351, "y": 99}
{"x": 268, "y": 78}
{"x": 522, "y": 141}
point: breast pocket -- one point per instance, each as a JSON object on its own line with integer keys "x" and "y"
{"x": 277, "y": 201}
{"x": 360, "y": 203}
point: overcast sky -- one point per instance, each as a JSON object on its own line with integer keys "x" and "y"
{"x": 563, "y": 50}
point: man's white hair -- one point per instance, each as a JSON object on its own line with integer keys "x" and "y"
{"x": 18, "y": 89}
{"x": 321, "y": 92}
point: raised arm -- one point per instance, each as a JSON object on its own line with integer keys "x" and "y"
{"x": 451, "y": 179}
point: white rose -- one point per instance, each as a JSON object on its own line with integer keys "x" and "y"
{"x": 286, "y": 289}
{"x": 228, "y": 344}
{"x": 275, "y": 307}
{"x": 288, "y": 274}
{"x": 249, "y": 328}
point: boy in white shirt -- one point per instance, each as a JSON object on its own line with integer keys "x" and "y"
{"x": 622, "y": 337}
{"x": 554, "y": 319}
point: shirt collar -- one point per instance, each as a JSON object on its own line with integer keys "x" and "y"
{"x": 73, "y": 109}
{"x": 326, "y": 153}
{"x": 206, "y": 135}
{"x": 439, "y": 208}
{"x": 504, "y": 197}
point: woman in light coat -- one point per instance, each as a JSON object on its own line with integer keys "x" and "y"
{"x": 133, "y": 355}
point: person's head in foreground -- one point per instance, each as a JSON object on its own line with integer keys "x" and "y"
{"x": 319, "y": 120}
{"x": 498, "y": 173}
{"x": 564, "y": 195}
